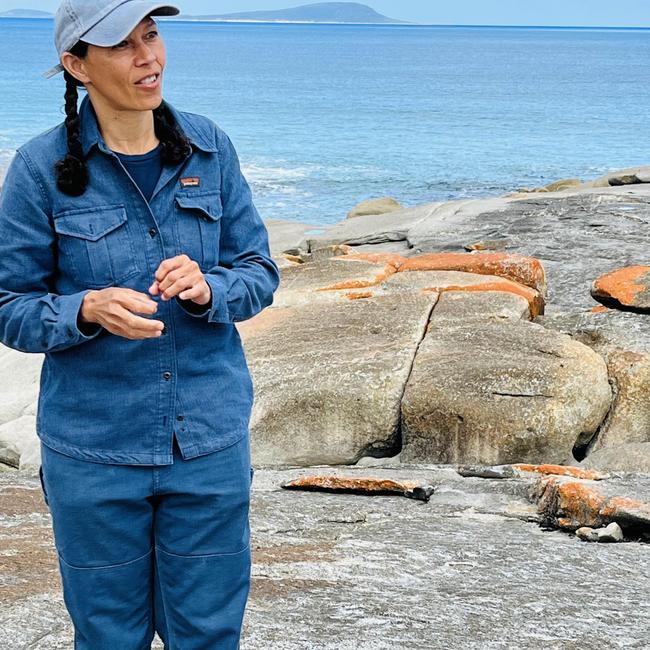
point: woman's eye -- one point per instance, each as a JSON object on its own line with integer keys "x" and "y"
{"x": 150, "y": 35}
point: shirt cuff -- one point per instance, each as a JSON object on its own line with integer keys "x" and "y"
{"x": 219, "y": 313}
{"x": 194, "y": 309}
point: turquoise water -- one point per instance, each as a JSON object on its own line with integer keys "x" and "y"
{"x": 324, "y": 116}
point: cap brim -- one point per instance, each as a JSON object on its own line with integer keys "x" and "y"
{"x": 120, "y": 22}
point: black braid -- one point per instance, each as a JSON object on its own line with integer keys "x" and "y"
{"x": 71, "y": 171}
{"x": 175, "y": 145}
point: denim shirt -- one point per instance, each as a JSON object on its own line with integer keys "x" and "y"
{"x": 104, "y": 397}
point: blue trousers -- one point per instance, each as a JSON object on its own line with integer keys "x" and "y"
{"x": 146, "y": 549}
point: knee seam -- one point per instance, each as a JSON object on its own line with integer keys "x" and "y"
{"x": 105, "y": 566}
{"x": 162, "y": 550}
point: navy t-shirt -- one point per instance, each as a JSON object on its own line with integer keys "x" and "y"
{"x": 145, "y": 168}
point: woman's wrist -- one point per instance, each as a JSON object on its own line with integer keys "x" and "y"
{"x": 85, "y": 324}
{"x": 85, "y": 311}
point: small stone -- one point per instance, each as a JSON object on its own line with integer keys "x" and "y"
{"x": 587, "y": 534}
{"x": 624, "y": 288}
{"x": 624, "y": 179}
{"x": 486, "y": 471}
{"x": 611, "y": 533}
{"x": 382, "y": 205}
{"x": 488, "y": 245}
{"x": 564, "y": 184}
{"x": 9, "y": 454}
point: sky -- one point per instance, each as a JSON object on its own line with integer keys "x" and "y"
{"x": 606, "y": 13}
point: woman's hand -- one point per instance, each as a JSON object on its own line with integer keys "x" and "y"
{"x": 115, "y": 307}
{"x": 181, "y": 276}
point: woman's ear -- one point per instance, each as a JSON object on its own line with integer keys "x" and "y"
{"x": 75, "y": 66}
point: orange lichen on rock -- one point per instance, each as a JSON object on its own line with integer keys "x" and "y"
{"x": 362, "y": 485}
{"x": 600, "y": 309}
{"x": 571, "y": 503}
{"x": 561, "y": 470}
{"x": 626, "y": 508}
{"x": 518, "y": 268}
{"x": 563, "y": 522}
{"x": 534, "y": 298}
{"x": 387, "y": 271}
{"x": 362, "y": 294}
{"x": 622, "y": 284}
{"x": 378, "y": 258}
{"x": 344, "y": 483}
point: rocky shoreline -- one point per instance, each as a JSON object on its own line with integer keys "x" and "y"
{"x": 501, "y": 330}
{"x": 510, "y": 329}
{"x": 495, "y": 349}
{"x": 474, "y": 567}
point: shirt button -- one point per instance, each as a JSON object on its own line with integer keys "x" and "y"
{"x": 153, "y": 232}
{"x": 167, "y": 375}
{"x": 180, "y": 417}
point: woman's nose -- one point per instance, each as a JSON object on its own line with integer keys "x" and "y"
{"x": 145, "y": 54}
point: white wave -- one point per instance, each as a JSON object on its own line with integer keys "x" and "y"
{"x": 256, "y": 173}
{"x": 275, "y": 180}
{"x": 300, "y": 180}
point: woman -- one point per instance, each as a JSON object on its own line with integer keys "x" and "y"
{"x": 129, "y": 248}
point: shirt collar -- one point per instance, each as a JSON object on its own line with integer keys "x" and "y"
{"x": 90, "y": 133}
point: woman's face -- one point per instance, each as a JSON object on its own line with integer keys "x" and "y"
{"x": 114, "y": 72}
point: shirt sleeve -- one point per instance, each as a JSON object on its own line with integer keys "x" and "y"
{"x": 33, "y": 318}
{"x": 243, "y": 282}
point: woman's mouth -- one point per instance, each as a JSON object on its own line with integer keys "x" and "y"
{"x": 150, "y": 82}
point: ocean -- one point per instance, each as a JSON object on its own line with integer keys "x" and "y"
{"x": 325, "y": 116}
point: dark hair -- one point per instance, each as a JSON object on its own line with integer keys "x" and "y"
{"x": 72, "y": 172}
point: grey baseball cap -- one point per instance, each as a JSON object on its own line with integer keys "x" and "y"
{"x": 100, "y": 22}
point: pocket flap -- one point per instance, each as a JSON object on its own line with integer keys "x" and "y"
{"x": 90, "y": 224}
{"x": 208, "y": 204}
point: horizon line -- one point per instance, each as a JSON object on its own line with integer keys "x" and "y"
{"x": 398, "y": 23}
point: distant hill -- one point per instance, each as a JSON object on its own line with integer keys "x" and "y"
{"x": 321, "y": 12}
{"x": 25, "y": 13}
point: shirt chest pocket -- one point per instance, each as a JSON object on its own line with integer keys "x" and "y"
{"x": 198, "y": 226}
{"x": 95, "y": 245}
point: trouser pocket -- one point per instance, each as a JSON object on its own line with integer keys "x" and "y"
{"x": 40, "y": 476}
